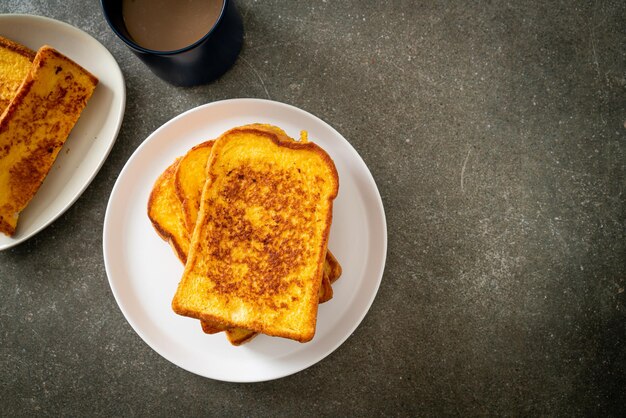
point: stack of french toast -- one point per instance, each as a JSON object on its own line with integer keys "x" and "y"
{"x": 249, "y": 215}
{"x": 42, "y": 95}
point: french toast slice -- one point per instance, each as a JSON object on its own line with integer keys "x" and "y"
{"x": 34, "y": 127}
{"x": 165, "y": 213}
{"x": 257, "y": 252}
{"x": 15, "y": 63}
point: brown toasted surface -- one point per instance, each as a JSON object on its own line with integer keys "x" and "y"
{"x": 191, "y": 174}
{"x": 259, "y": 244}
{"x": 34, "y": 127}
{"x": 15, "y": 63}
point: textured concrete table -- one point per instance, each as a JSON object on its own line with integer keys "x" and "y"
{"x": 496, "y": 134}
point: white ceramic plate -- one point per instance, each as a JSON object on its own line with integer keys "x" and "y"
{"x": 93, "y": 136}
{"x": 144, "y": 272}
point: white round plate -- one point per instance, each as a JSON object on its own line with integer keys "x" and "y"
{"x": 144, "y": 272}
{"x": 94, "y": 134}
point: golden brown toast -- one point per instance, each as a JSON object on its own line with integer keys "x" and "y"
{"x": 165, "y": 213}
{"x": 34, "y": 127}
{"x": 257, "y": 252}
{"x": 15, "y": 62}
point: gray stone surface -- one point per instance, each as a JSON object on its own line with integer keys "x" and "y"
{"x": 496, "y": 133}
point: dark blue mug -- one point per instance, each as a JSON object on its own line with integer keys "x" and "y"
{"x": 199, "y": 63}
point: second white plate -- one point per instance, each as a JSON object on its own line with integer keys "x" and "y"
{"x": 144, "y": 272}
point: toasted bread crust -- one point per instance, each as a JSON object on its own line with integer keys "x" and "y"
{"x": 6, "y": 227}
{"x": 49, "y": 52}
{"x": 265, "y": 292}
{"x": 189, "y": 180}
{"x": 239, "y": 336}
{"x": 332, "y": 267}
{"x": 326, "y": 290}
{"x": 17, "y": 48}
{"x": 161, "y": 206}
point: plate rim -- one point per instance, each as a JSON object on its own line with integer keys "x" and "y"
{"x": 119, "y": 116}
{"x": 107, "y": 236}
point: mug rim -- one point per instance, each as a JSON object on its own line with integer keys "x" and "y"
{"x": 132, "y": 44}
